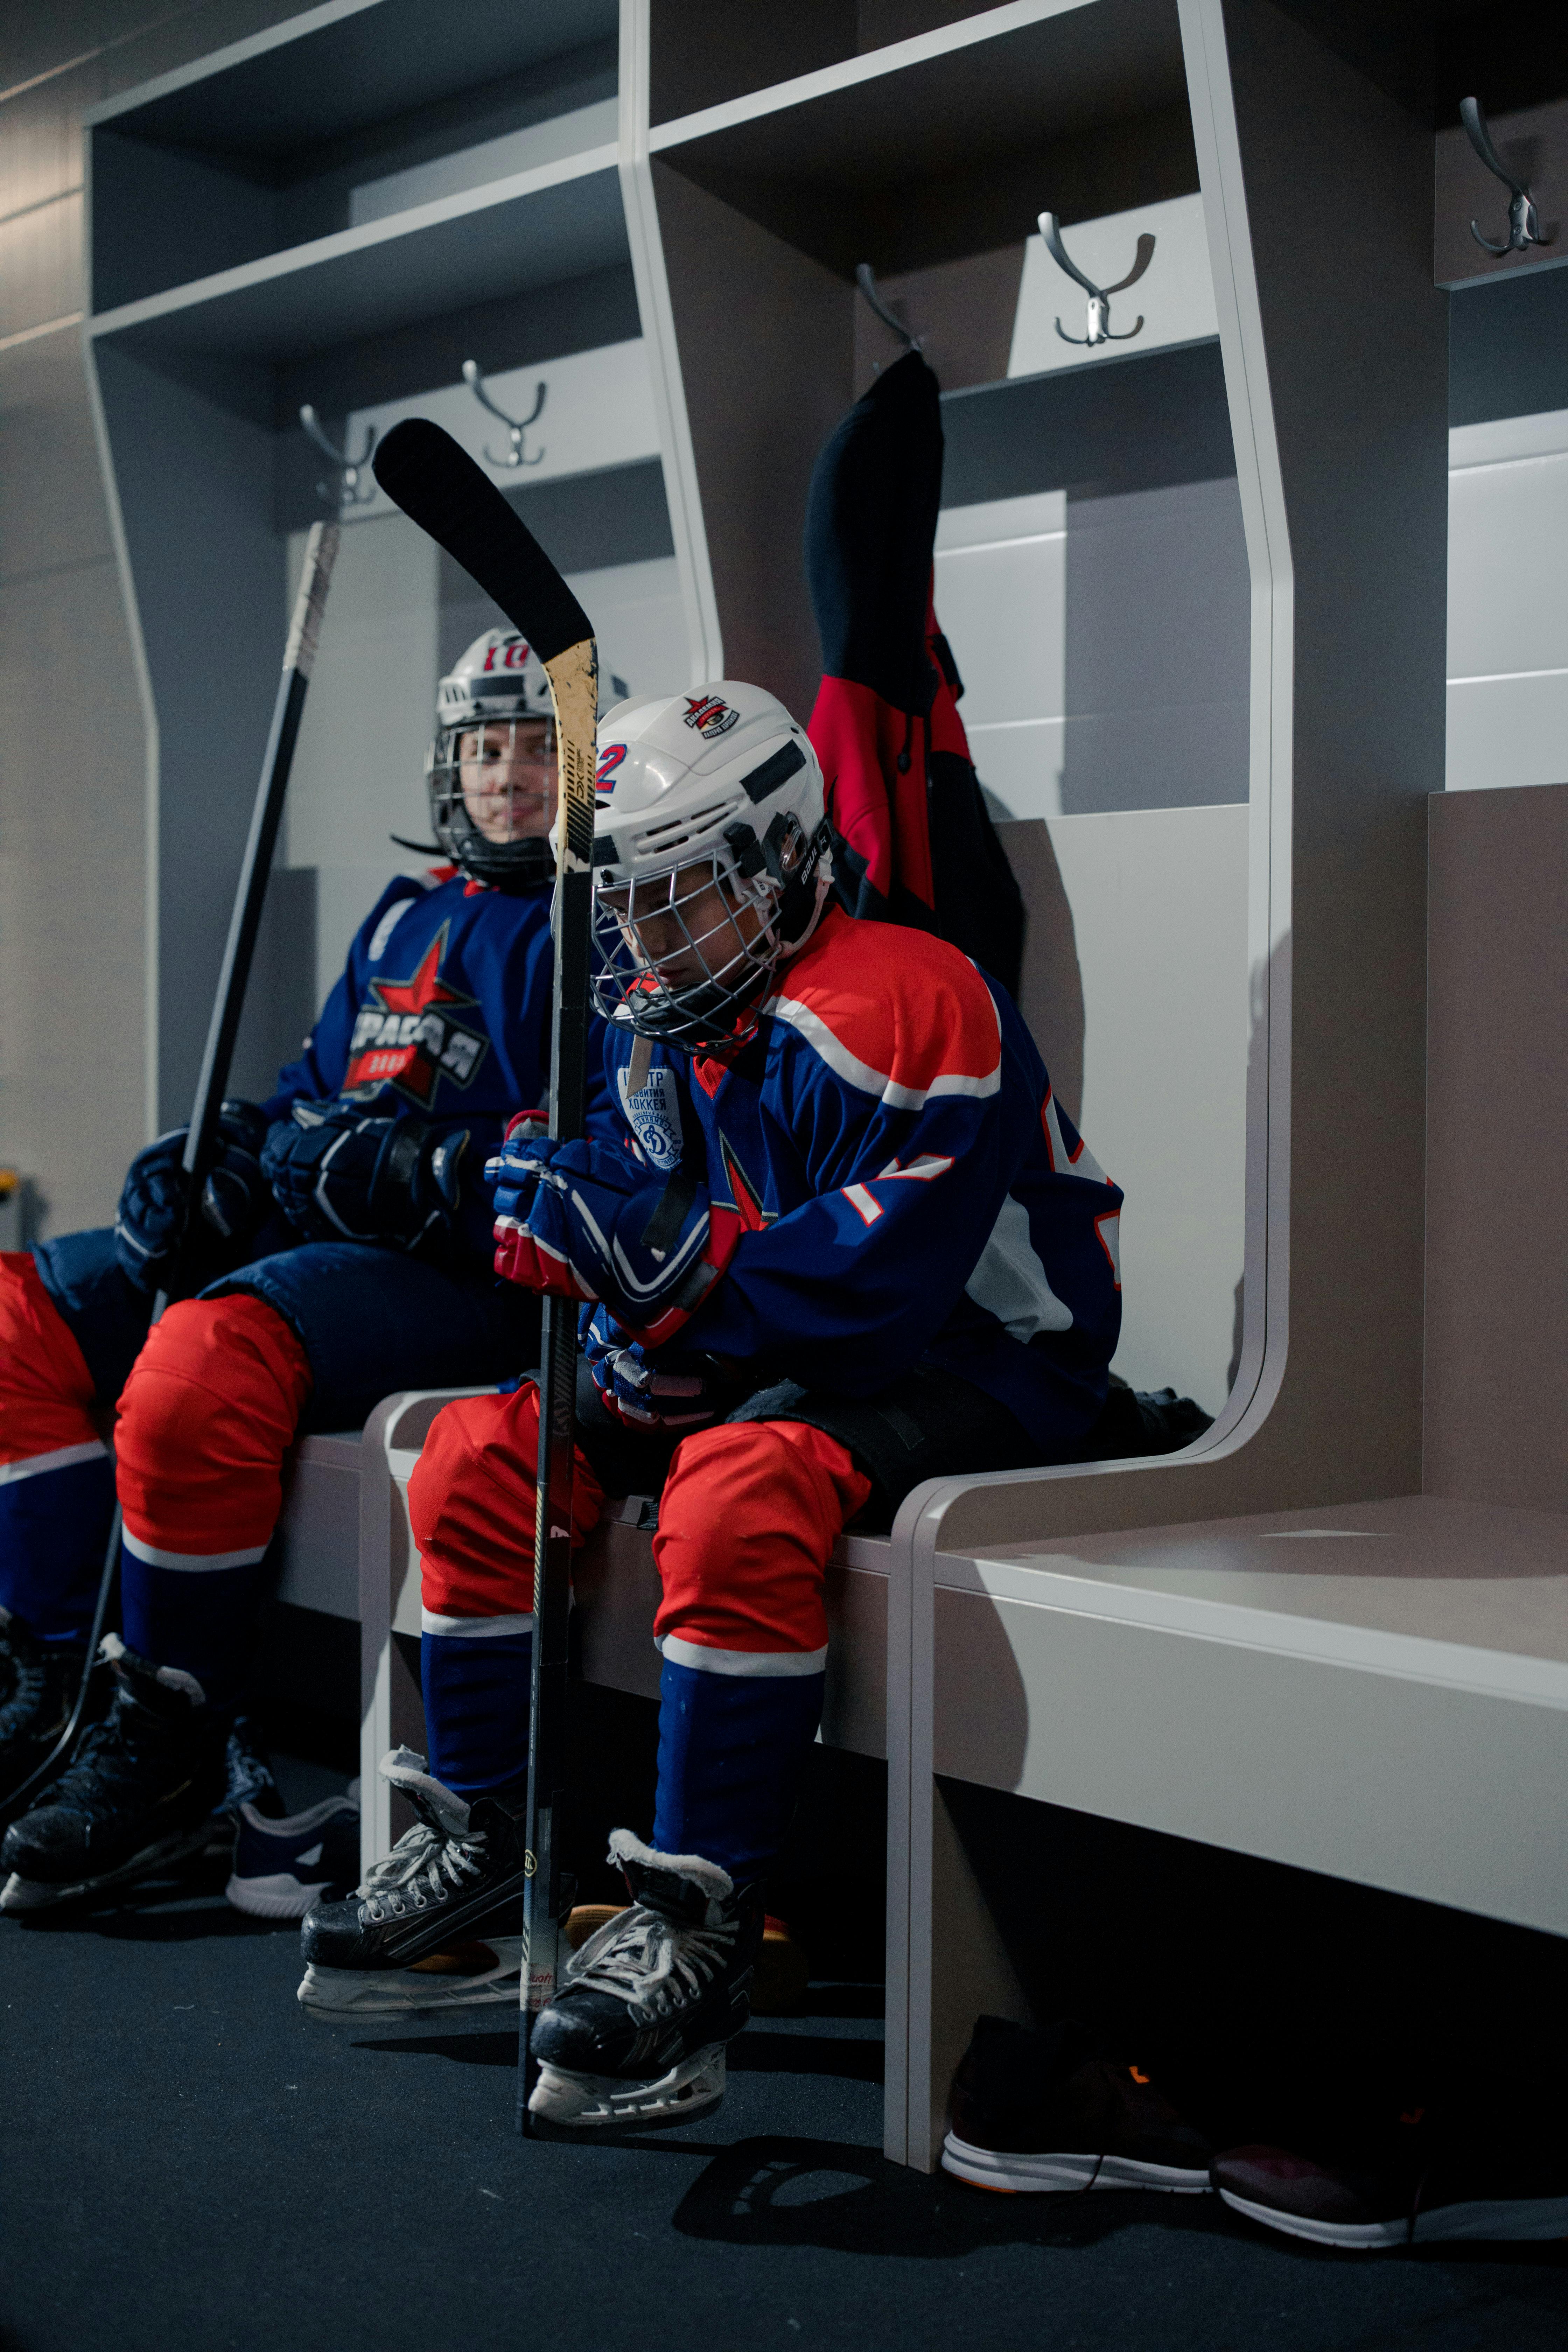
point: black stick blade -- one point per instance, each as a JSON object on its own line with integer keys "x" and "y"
{"x": 437, "y": 484}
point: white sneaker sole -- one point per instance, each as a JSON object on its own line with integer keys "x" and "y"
{"x": 1514, "y": 2219}
{"x": 589, "y": 2102}
{"x": 356, "y": 1993}
{"x": 20, "y": 1893}
{"x": 1025, "y": 2176}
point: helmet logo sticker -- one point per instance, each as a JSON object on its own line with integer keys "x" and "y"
{"x": 404, "y": 1037}
{"x": 653, "y": 1114}
{"x": 511, "y": 653}
{"x": 710, "y": 716}
{"x": 610, "y": 759}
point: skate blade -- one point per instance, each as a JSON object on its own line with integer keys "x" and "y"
{"x": 587, "y": 2102}
{"x": 333, "y": 1994}
{"x": 20, "y": 1893}
{"x": 1043, "y": 2174}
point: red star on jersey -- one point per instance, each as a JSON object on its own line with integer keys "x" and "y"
{"x": 412, "y": 995}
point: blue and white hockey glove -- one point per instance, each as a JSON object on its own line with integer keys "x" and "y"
{"x": 160, "y": 1233}
{"x": 339, "y": 1174}
{"x": 582, "y": 1220}
{"x": 677, "y": 1388}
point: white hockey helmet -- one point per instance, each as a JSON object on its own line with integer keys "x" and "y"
{"x": 711, "y": 858}
{"x": 495, "y": 689}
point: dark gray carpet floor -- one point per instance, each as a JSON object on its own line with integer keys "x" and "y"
{"x": 188, "y": 2161}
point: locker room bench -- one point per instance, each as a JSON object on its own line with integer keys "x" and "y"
{"x": 346, "y": 1550}
{"x": 1378, "y": 1692}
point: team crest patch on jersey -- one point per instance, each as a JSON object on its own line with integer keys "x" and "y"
{"x": 405, "y": 1036}
{"x": 710, "y": 716}
{"x": 653, "y": 1114}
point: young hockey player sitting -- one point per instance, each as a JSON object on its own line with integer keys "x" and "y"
{"x": 339, "y": 1249}
{"x": 848, "y": 1242}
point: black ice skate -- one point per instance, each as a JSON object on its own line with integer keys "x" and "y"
{"x": 439, "y": 1923}
{"x": 637, "y": 2032}
{"x": 137, "y": 1796}
{"x": 38, "y": 1684}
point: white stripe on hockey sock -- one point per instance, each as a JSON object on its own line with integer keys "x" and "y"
{"x": 199, "y": 1563}
{"x": 741, "y": 1662}
{"x": 62, "y": 1458}
{"x": 471, "y": 1629}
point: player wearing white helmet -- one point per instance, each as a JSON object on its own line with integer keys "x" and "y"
{"x": 341, "y": 1250}
{"x": 847, "y": 1241}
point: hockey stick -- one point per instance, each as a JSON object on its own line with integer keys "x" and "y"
{"x": 440, "y": 487}
{"x": 245, "y": 922}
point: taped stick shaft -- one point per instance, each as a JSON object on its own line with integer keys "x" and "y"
{"x": 574, "y": 684}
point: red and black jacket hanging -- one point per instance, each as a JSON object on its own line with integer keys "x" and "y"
{"x": 913, "y": 841}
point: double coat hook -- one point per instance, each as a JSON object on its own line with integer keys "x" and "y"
{"x": 356, "y": 485}
{"x": 1099, "y": 296}
{"x": 516, "y": 426}
{"x": 1524, "y": 227}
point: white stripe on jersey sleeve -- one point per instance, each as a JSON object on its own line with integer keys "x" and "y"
{"x": 1010, "y": 1282}
{"x": 860, "y": 1075}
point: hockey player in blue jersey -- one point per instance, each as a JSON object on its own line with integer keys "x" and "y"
{"x": 847, "y": 1241}
{"x": 341, "y": 1249}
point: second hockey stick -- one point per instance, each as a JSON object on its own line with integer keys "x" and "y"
{"x": 439, "y": 486}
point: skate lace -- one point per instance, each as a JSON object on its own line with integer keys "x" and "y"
{"x": 425, "y": 1866}
{"x": 653, "y": 1963}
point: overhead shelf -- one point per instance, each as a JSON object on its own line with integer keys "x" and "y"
{"x": 561, "y": 220}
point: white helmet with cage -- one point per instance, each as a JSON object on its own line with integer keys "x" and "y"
{"x": 712, "y": 860}
{"x": 494, "y": 708}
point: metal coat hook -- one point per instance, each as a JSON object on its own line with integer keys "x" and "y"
{"x": 515, "y": 426}
{"x": 865, "y": 279}
{"x": 356, "y": 487}
{"x": 1099, "y": 296}
{"x": 1524, "y": 227}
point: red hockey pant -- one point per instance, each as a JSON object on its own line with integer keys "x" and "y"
{"x": 749, "y": 1514}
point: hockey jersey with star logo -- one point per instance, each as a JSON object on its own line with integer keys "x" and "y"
{"x": 893, "y": 1182}
{"x": 441, "y": 1012}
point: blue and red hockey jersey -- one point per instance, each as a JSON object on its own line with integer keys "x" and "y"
{"x": 893, "y": 1182}
{"x": 442, "y": 1010}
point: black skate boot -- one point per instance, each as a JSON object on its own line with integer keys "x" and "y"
{"x": 138, "y": 1794}
{"x": 38, "y": 1684}
{"x": 637, "y": 2032}
{"x": 439, "y": 1923}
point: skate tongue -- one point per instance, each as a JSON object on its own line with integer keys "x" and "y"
{"x": 434, "y": 1804}
{"x": 681, "y": 1885}
{"x": 143, "y": 1677}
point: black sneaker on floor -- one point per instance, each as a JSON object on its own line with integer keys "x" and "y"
{"x": 283, "y": 1866}
{"x": 637, "y": 2032}
{"x": 39, "y": 1681}
{"x": 1036, "y": 2112}
{"x": 1411, "y": 2195}
{"x": 137, "y": 1795}
{"x": 439, "y": 1923}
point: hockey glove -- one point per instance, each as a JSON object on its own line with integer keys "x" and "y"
{"x": 157, "y": 1237}
{"x": 339, "y": 1174}
{"x": 582, "y": 1220}
{"x": 676, "y": 1388}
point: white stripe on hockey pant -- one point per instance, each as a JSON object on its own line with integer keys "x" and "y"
{"x": 471, "y": 1629}
{"x": 62, "y": 1458}
{"x": 741, "y": 1662}
{"x": 199, "y": 1563}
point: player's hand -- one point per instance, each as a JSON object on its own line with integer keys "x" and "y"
{"x": 161, "y": 1231}
{"x": 581, "y": 1220}
{"x": 340, "y": 1175}
{"x": 670, "y": 1388}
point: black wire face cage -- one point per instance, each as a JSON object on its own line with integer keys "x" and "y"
{"x": 507, "y": 863}
{"x": 696, "y": 980}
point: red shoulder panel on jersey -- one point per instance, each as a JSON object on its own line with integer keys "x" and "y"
{"x": 893, "y": 1013}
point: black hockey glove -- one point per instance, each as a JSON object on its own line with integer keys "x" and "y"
{"x": 165, "y": 1241}
{"x": 339, "y": 1174}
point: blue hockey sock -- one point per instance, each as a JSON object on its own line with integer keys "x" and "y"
{"x": 475, "y": 1704}
{"x": 54, "y": 1526}
{"x": 197, "y": 1619}
{"x": 731, "y": 1750}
